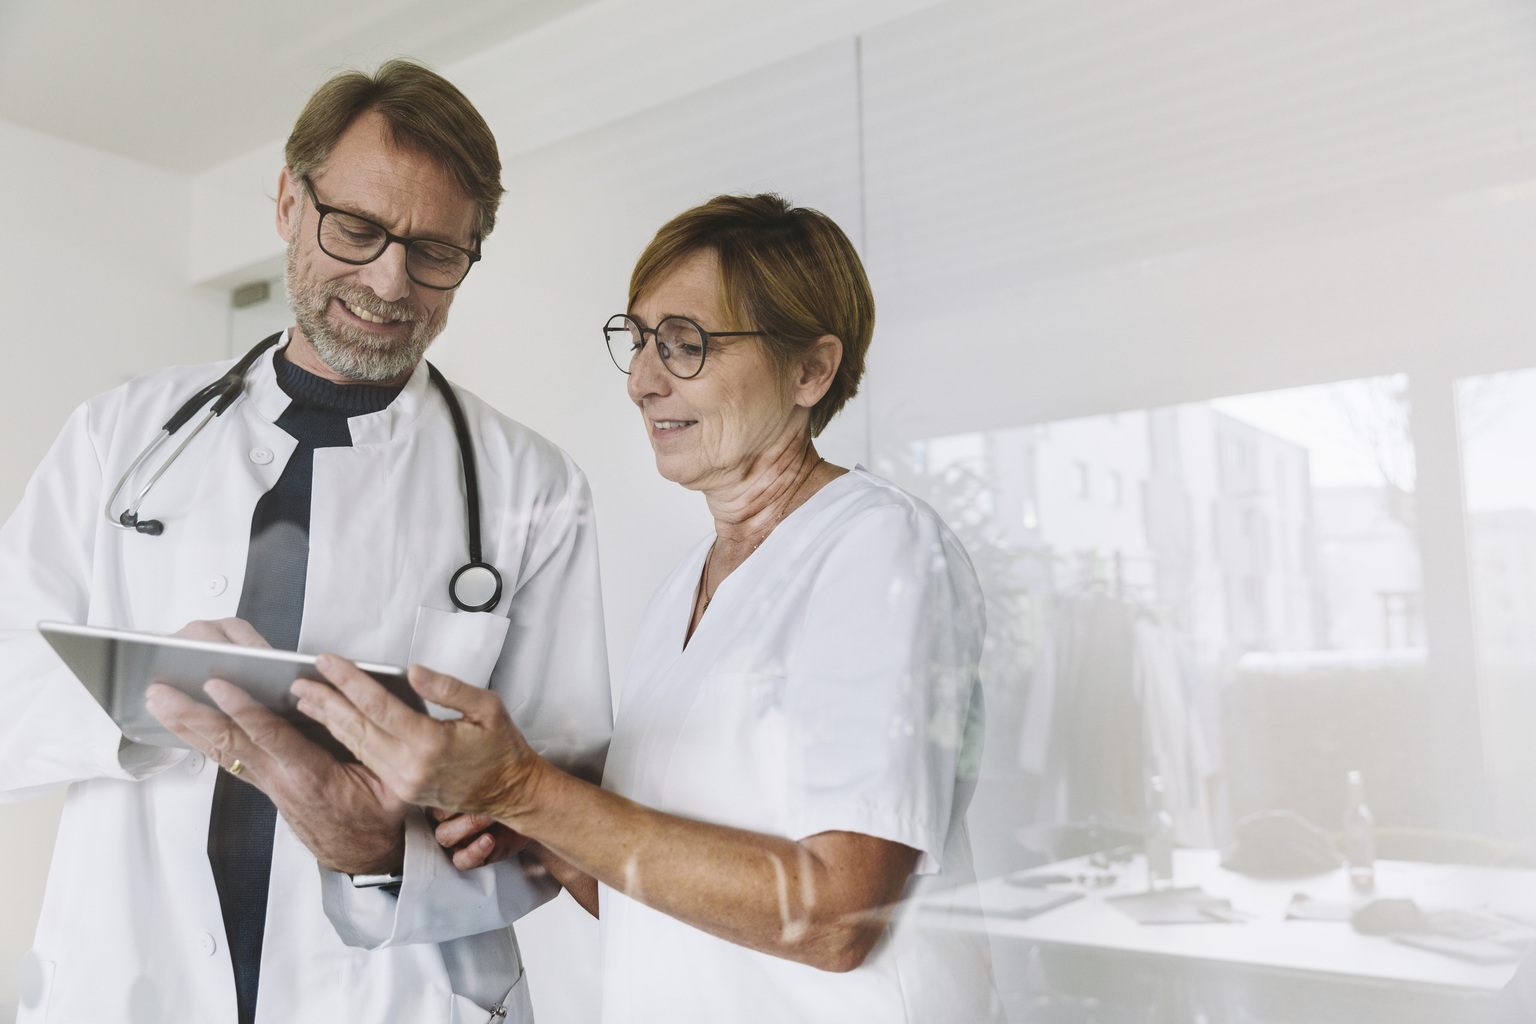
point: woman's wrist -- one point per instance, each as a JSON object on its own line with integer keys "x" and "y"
{"x": 518, "y": 800}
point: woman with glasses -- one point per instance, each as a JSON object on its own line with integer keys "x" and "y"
{"x": 798, "y": 732}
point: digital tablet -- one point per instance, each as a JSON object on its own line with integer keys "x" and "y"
{"x": 118, "y": 665}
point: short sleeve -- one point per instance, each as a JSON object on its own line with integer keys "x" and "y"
{"x": 884, "y": 682}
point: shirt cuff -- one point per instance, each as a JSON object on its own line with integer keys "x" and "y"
{"x": 437, "y": 902}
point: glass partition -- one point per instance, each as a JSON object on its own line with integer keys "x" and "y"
{"x": 1206, "y": 628}
{"x": 1497, "y": 413}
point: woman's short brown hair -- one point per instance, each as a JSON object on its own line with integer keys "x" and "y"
{"x": 424, "y": 111}
{"x": 785, "y": 270}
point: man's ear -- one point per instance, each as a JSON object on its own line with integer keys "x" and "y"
{"x": 817, "y": 369}
{"x": 290, "y": 204}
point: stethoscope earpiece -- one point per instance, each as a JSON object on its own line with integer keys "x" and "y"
{"x": 152, "y": 527}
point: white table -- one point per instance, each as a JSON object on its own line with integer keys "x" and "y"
{"x": 1266, "y": 940}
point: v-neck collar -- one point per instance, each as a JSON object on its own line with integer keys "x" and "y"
{"x": 762, "y": 555}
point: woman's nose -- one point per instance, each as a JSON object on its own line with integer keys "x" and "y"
{"x": 647, "y": 375}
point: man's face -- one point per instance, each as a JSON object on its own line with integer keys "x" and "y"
{"x": 371, "y": 322}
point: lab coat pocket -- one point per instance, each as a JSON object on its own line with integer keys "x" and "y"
{"x": 464, "y": 645}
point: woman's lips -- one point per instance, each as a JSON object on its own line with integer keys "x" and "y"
{"x": 670, "y": 428}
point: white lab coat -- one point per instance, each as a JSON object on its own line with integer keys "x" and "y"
{"x": 831, "y": 685}
{"x": 131, "y": 929}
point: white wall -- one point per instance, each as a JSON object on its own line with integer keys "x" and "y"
{"x": 93, "y": 275}
{"x": 93, "y": 282}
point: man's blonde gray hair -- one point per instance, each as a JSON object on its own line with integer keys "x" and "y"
{"x": 424, "y": 112}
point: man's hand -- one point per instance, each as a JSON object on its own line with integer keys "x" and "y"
{"x": 346, "y": 817}
{"x": 474, "y": 839}
{"x": 223, "y": 631}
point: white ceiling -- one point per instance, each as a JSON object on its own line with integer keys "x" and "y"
{"x": 188, "y": 84}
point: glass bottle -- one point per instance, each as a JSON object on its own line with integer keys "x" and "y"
{"x": 1359, "y": 844}
{"x": 1159, "y": 840}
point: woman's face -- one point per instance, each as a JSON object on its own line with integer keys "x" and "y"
{"x": 710, "y": 431}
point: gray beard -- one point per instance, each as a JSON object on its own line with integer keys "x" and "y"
{"x": 355, "y": 355}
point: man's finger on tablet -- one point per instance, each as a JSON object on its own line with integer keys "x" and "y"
{"x": 222, "y": 631}
{"x": 268, "y": 731}
{"x": 178, "y": 712}
{"x": 205, "y": 728}
{"x": 238, "y": 631}
{"x": 170, "y": 707}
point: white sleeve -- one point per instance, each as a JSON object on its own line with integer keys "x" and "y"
{"x": 553, "y": 677}
{"x": 882, "y": 696}
{"x": 437, "y": 902}
{"x": 52, "y": 732}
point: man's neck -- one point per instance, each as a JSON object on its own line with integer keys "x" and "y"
{"x": 303, "y": 355}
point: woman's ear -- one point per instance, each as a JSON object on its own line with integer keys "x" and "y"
{"x": 817, "y": 369}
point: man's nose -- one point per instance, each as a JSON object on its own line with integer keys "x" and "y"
{"x": 386, "y": 276}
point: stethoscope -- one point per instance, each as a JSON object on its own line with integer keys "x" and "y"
{"x": 475, "y": 587}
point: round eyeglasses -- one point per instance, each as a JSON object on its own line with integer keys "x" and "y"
{"x": 681, "y": 343}
{"x": 357, "y": 240}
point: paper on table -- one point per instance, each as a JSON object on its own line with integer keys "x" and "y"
{"x": 1305, "y": 908}
{"x": 1176, "y": 906}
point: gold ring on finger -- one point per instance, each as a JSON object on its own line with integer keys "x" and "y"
{"x": 236, "y": 767}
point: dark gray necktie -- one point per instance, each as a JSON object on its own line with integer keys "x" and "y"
{"x": 243, "y": 820}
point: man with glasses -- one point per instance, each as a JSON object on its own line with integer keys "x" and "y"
{"x": 259, "y": 878}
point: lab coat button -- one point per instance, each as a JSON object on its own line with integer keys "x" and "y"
{"x": 207, "y": 944}
{"x": 216, "y": 585}
{"x": 194, "y": 762}
{"x": 261, "y": 456}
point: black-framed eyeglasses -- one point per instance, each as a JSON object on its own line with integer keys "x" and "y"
{"x": 681, "y": 343}
{"x": 357, "y": 240}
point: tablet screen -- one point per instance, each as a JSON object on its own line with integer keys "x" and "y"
{"x": 116, "y": 666}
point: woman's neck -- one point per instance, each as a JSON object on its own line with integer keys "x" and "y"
{"x": 779, "y": 482}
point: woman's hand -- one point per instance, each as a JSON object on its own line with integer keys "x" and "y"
{"x": 474, "y": 839}
{"x": 479, "y": 763}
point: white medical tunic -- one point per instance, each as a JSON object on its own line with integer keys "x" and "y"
{"x": 831, "y": 685}
{"x": 131, "y": 929}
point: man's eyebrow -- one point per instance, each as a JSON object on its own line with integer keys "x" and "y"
{"x": 374, "y": 218}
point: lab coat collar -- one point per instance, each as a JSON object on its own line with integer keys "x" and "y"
{"x": 269, "y": 401}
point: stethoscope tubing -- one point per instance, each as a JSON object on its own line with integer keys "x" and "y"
{"x": 223, "y": 392}
{"x": 475, "y": 564}
{"x": 228, "y": 388}
{"x": 131, "y": 512}
{"x": 130, "y": 515}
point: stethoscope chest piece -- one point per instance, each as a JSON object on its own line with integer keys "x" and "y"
{"x": 475, "y": 588}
